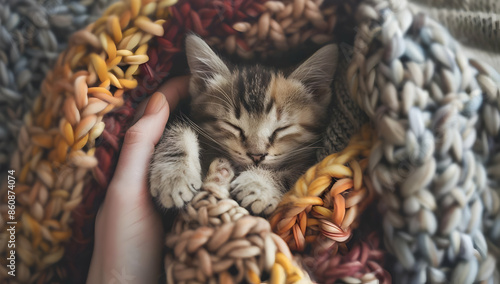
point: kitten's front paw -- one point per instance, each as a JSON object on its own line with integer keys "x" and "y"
{"x": 220, "y": 172}
{"x": 256, "y": 190}
{"x": 177, "y": 187}
{"x": 218, "y": 178}
{"x": 175, "y": 171}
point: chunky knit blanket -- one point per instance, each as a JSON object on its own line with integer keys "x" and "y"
{"x": 412, "y": 196}
{"x": 476, "y": 24}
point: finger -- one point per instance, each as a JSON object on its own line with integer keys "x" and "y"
{"x": 139, "y": 142}
{"x": 174, "y": 90}
{"x": 140, "y": 139}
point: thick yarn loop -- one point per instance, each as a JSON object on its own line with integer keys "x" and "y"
{"x": 57, "y": 142}
{"x": 487, "y": 155}
{"x": 32, "y": 35}
{"x": 327, "y": 199}
{"x": 424, "y": 96}
{"x": 363, "y": 263}
{"x": 214, "y": 236}
{"x": 473, "y": 23}
{"x": 321, "y": 211}
{"x": 280, "y": 26}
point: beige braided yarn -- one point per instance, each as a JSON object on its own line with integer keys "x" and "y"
{"x": 216, "y": 241}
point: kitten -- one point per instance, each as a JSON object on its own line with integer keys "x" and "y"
{"x": 262, "y": 120}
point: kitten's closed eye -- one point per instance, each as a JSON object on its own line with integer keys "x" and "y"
{"x": 273, "y": 136}
{"x": 237, "y": 131}
{"x": 240, "y": 133}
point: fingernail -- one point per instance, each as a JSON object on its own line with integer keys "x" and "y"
{"x": 156, "y": 102}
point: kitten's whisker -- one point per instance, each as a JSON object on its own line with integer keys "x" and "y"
{"x": 212, "y": 145}
{"x": 226, "y": 103}
{"x": 228, "y": 98}
{"x": 202, "y": 132}
{"x": 305, "y": 148}
{"x": 209, "y": 138}
{"x": 227, "y": 108}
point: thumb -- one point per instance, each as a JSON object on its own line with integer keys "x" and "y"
{"x": 138, "y": 145}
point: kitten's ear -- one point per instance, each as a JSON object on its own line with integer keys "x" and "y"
{"x": 316, "y": 73}
{"x": 203, "y": 62}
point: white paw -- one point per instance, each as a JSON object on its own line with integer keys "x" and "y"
{"x": 175, "y": 171}
{"x": 177, "y": 187}
{"x": 219, "y": 176}
{"x": 256, "y": 190}
{"x": 220, "y": 172}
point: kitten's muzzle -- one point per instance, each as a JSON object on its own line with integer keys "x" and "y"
{"x": 257, "y": 158}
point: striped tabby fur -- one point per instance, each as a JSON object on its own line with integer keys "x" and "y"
{"x": 264, "y": 121}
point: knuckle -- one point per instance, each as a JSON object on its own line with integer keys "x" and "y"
{"x": 133, "y": 136}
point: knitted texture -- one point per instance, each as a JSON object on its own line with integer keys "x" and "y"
{"x": 475, "y": 24}
{"x": 490, "y": 6}
{"x": 280, "y": 27}
{"x": 487, "y": 154}
{"x": 214, "y": 235}
{"x": 327, "y": 199}
{"x": 424, "y": 97}
{"x": 321, "y": 211}
{"x": 56, "y": 148}
{"x": 346, "y": 116}
{"x": 361, "y": 263}
{"x": 32, "y": 34}
{"x": 434, "y": 112}
{"x": 221, "y": 20}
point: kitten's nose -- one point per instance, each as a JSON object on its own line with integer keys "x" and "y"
{"x": 257, "y": 158}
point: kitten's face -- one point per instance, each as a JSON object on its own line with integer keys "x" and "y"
{"x": 255, "y": 115}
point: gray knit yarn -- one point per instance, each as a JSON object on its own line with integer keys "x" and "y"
{"x": 487, "y": 153}
{"x": 346, "y": 116}
{"x": 425, "y": 98}
{"x": 475, "y": 24}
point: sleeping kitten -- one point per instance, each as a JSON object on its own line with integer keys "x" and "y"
{"x": 262, "y": 120}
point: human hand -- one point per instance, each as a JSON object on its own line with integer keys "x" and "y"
{"x": 128, "y": 231}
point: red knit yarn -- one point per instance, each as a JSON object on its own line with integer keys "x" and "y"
{"x": 359, "y": 258}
